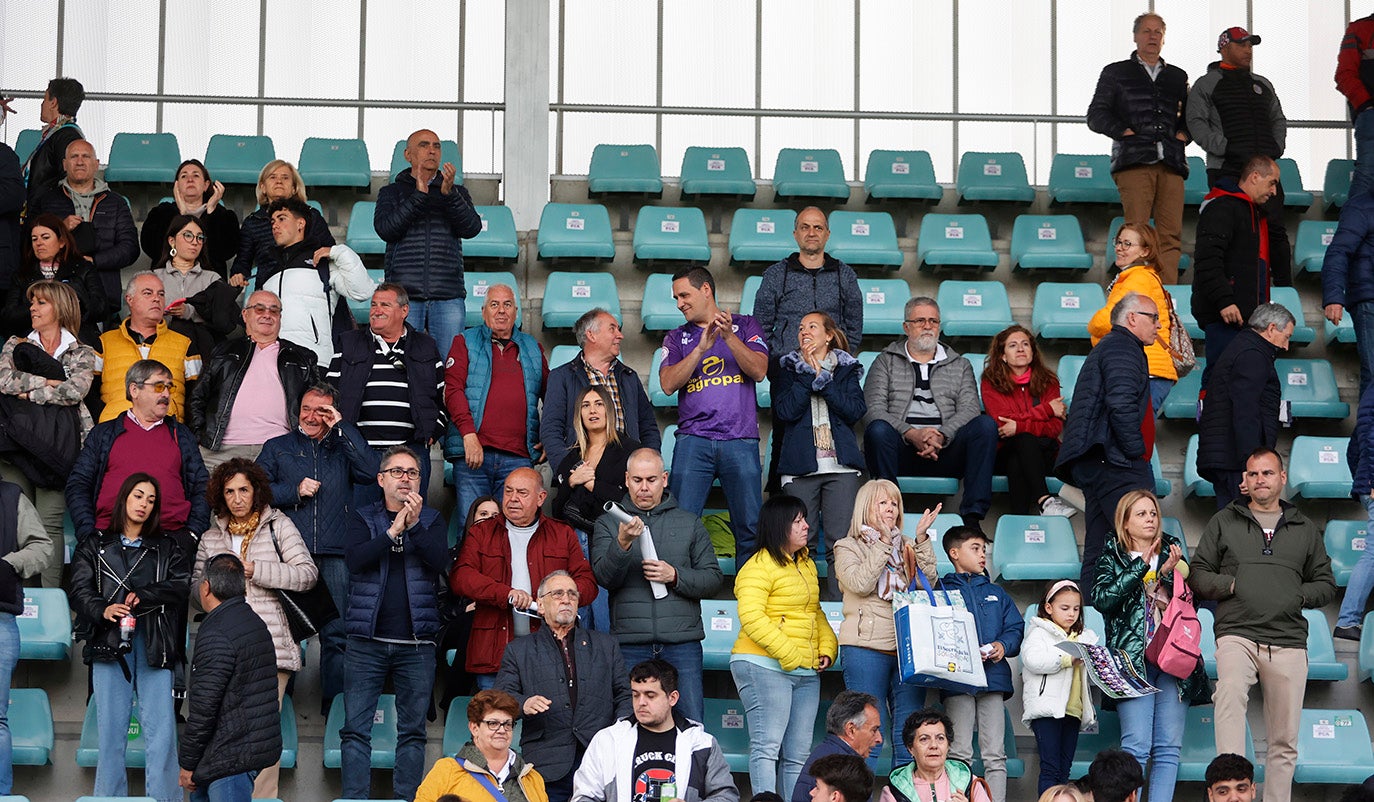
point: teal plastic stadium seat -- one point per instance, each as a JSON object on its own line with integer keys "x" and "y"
{"x": 720, "y": 619}
{"x": 1183, "y": 300}
{"x": 762, "y": 235}
{"x": 955, "y": 239}
{"x": 362, "y": 235}
{"x": 1108, "y": 736}
{"x": 88, "y": 749}
{"x": 1163, "y": 487}
{"x": 1077, "y": 178}
{"x": 27, "y": 143}
{"x": 993, "y": 177}
{"x": 290, "y": 737}
{"x": 1062, "y": 311}
{"x": 943, "y": 522}
{"x": 1314, "y": 237}
{"x": 448, "y": 152}
{"x": 456, "y": 726}
{"x": 928, "y": 485}
{"x": 1016, "y": 767}
{"x": 31, "y": 730}
{"x": 383, "y": 733}
{"x": 631, "y": 169}
{"x": 575, "y": 231}
{"x": 1336, "y": 186}
{"x": 1181, "y": 404}
{"x": 1048, "y": 241}
{"x": 1184, "y": 260}
{"x": 1366, "y": 659}
{"x": 717, "y": 171}
{"x": 884, "y": 300}
{"x": 748, "y": 294}
{"x": 1333, "y": 747}
{"x": 568, "y": 295}
{"x": 1345, "y": 544}
{"x": 1070, "y": 365}
{"x": 360, "y": 309}
{"x": 1309, "y": 385}
{"x": 977, "y": 362}
{"x": 497, "y": 239}
{"x": 1199, "y": 745}
{"x": 1195, "y": 186}
{"x": 335, "y": 163}
{"x": 802, "y": 173}
{"x": 1035, "y": 547}
{"x": 477, "y": 286}
{"x": 1193, "y": 483}
{"x": 867, "y": 238}
{"x": 904, "y": 174}
{"x": 1288, "y": 296}
{"x": 146, "y": 158}
{"x": 238, "y": 159}
{"x": 45, "y": 625}
{"x": 1317, "y": 467}
{"x": 562, "y": 355}
{"x": 669, "y": 444}
{"x": 1344, "y": 332}
{"x": 973, "y": 308}
{"x": 676, "y": 233}
{"x": 655, "y": 389}
{"x": 763, "y": 396}
{"x": 1209, "y": 641}
{"x": 725, "y": 720}
{"x": 659, "y": 311}
{"x": 866, "y": 359}
{"x": 1321, "y": 650}
{"x": 1291, "y": 177}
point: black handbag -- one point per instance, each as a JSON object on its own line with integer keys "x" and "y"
{"x": 306, "y": 611}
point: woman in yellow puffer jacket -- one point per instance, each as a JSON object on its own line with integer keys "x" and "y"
{"x": 784, "y": 643}
{"x": 1137, "y": 249}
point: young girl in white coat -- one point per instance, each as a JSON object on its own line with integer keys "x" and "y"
{"x": 1055, "y": 686}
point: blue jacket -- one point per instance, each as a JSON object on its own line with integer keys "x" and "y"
{"x": 478, "y": 343}
{"x": 1348, "y": 268}
{"x": 368, "y": 552}
{"x": 998, "y": 620}
{"x": 831, "y": 745}
{"x": 338, "y": 461}
{"x": 1360, "y": 454}
{"x": 353, "y": 353}
{"x": 423, "y": 233}
{"x": 565, "y": 382}
{"x": 793, "y": 385}
{"x": 1106, "y": 413}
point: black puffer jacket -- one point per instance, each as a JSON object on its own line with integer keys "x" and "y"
{"x": 1241, "y": 412}
{"x": 76, "y": 273}
{"x": 213, "y": 397}
{"x": 232, "y": 724}
{"x": 1229, "y": 270}
{"x": 424, "y": 233}
{"x": 45, "y": 165}
{"x": 12, "y": 199}
{"x": 162, "y": 580}
{"x": 1234, "y": 114}
{"x": 1127, "y": 98}
{"x": 1109, "y": 404}
{"x": 110, "y": 238}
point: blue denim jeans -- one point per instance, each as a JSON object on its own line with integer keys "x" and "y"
{"x": 969, "y": 456}
{"x": 1055, "y": 741}
{"x": 1363, "y": 180}
{"x": 442, "y": 319}
{"x": 9, "y": 658}
{"x": 1361, "y": 579}
{"x": 488, "y": 480}
{"x": 698, "y": 461}
{"x": 1159, "y": 390}
{"x": 876, "y": 673}
{"x": 686, "y": 658}
{"x": 367, "y": 664}
{"x": 234, "y": 788}
{"x": 596, "y": 615}
{"x": 114, "y": 703}
{"x": 1362, "y": 318}
{"x": 781, "y": 710}
{"x": 333, "y": 639}
{"x": 1152, "y": 731}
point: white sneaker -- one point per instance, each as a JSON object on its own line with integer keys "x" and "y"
{"x": 1054, "y": 505}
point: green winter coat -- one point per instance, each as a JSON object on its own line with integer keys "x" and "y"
{"x": 1119, "y": 594}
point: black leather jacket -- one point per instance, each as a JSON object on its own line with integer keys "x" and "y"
{"x": 104, "y": 571}
{"x": 213, "y": 397}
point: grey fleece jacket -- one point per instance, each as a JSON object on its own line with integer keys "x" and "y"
{"x": 790, "y": 292}
{"x": 892, "y": 379}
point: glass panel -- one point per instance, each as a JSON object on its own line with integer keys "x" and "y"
{"x": 682, "y": 132}
{"x": 195, "y": 123}
{"x": 111, "y": 46}
{"x": 383, "y": 128}
{"x": 1299, "y": 57}
{"x": 290, "y": 125}
{"x": 1090, "y": 35}
{"x": 1193, "y": 28}
{"x": 906, "y": 55}
{"x": 798, "y": 132}
{"x": 793, "y": 79}
{"x": 485, "y": 51}
{"x": 28, "y": 54}
{"x": 583, "y": 132}
{"x": 708, "y": 53}
{"x": 101, "y": 121}
{"x": 987, "y": 57}
{"x": 935, "y": 138}
{"x": 483, "y": 142}
{"x": 211, "y": 49}
{"x": 1032, "y": 141}
{"x": 404, "y": 68}
{"x": 329, "y": 69}
{"x": 612, "y": 52}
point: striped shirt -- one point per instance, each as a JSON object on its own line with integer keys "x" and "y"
{"x": 384, "y": 418}
{"x": 923, "y": 411}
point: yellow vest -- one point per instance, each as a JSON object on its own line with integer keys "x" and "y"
{"x": 118, "y": 353}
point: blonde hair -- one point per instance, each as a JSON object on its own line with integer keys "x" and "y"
{"x": 864, "y": 500}
{"x": 1055, "y": 791}
{"x": 295, "y": 179}
{"x": 1123, "y": 512}
{"x": 63, "y": 299}
{"x": 579, "y": 430}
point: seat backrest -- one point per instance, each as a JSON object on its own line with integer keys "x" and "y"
{"x": 716, "y": 171}
{"x": 150, "y": 158}
{"x": 902, "y": 174}
{"x": 762, "y": 235}
{"x": 1079, "y": 177}
{"x": 1000, "y": 172}
{"x": 498, "y": 238}
{"x": 335, "y": 163}
{"x": 810, "y": 173}
{"x": 1289, "y": 175}
{"x": 27, "y": 143}
{"x": 568, "y": 295}
{"x": 624, "y": 168}
{"x": 1070, "y": 365}
{"x": 1046, "y": 234}
{"x": 235, "y": 159}
{"x": 884, "y": 300}
{"x": 748, "y": 294}
{"x": 577, "y": 230}
{"x": 448, "y": 152}
{"x": 1346, "y": 542}
{"x": 1336, "y": 186}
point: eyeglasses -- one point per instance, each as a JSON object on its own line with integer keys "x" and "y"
{"x": 191, "y": 237}
{"x": 1125, "y": 243}
{"x": 401, "y": 473}
{"x": 562, "y": 594}
{"x": 498, "y": 725}
{"x": 1151, "y": 315}
{"x": 923, "y": 322}
{"x": 261, "y": 308}
{"x": 157, "y": 387}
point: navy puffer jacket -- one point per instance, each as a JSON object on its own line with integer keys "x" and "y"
{"x": 1242, "y": 409}
{"x": 1360, "y": 455}
{"x": 1348, "y": 268}
{"x": 1109, "y": 403}
{"x": 368, "y": 552}
{"x": 424, "y": 233}
{"x": 338, "y": 461}
{"x": 1128, "y": 99}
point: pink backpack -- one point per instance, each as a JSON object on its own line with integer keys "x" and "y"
{"x": 1177, "y": 645}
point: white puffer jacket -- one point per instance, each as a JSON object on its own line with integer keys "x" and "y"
{"x": 307, "y": 310}
{"x": 1047, "y": 673}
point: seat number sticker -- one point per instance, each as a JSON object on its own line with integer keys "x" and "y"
{"x": 1357, "y": 544}
{"x": 1082, "y": 172}
{"x": 715, "y": 165}
{"x": 1328, "y": 458}
{"x": 973, "y": 299}
{"x": 720, "y": 623}
{"x": 377, "y": 717}
{"x": 1048, "y": 233}
{"x": 1324, "y": 731}
{"x": 1069, "y": 301}
{"x": 954, "y": 232}
{"x": 669, "y": 226}
{"x": 765, "y": 227}
{"x": 877, "y": 298}
{"x": 481, "y": 290}
{"x": 1035, "y": 536}
{"x": 732, "y": 721}
{"x": 581, "y": 291}
{"x": 858, "y": 229}
{"x": 810, "y": 167}
{"x": 576, "y": 224}
{"x": 992, "y": 169}
{"x": 1297, "y": 379}
{"x": 901, "y": 168}
{"x": 30, "y": 609}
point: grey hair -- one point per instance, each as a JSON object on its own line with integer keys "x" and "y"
{"x": 224, "y": 576}
{"x": 1135, "y": 27}
{"x": 590, "y": 321}
{"x": 848, "y": 708}
{"x": 398, "y": 451}
{"x": 1130, "y": 302}
{"x": 402, "y": 297}
{"x": 508, "y": 288}
{"x": 1266, "y": 315}
{"x": 326, "y": 389}
{"x": 141, "y": 371}
{"x": 543, "y": 583}
{"x": 129, "y": 288}
{"x": 919, "y": 300}
{"x": 646, "y": 453}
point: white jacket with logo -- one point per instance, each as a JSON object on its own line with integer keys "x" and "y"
{"x": 606, "y": 773}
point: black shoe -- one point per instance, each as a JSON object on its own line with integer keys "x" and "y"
{"x": 1347, "y": 633}
{"x": 974, "y": 523}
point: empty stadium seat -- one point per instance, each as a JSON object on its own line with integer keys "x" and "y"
{"x": 290, "y": 737}
{"x": 1309, "y": 386}
{"x": 955, "y": 240}
{"x": 568, "y": 295}
{"x": 448, "y": 152}
{"x": 456, "y": 726}
{"x": 1195, "y": 186}
{"x": 868, "y": 238}
{"x": 973, "y": 308}
{"x": 45, "y": 625}
{"x": 27, "y": 143}
{"x": 145, "y": 158}
{"x": 31, "y": 727}
{"x": 1183, "y": 303}
{"x": 498, "y": 238}
{"x": 762, "y": 235}
{"x": 676, "y": 233}
{"x": 383, "y": 733}
{"x": 1317, "y": 467}
{"x": 725, "y": 720}
{"x": 335, "y": 163}
{"x": 1035, "y": 547}
{"x": 631, "y": 169}
{"x": 659, "y": 311}
{"x": 1193, "y": 483}
{"x": 1070, "y": 365}
{"x": 362, "y": 236}
{"x": 993, "y": 177}
{"x": 1199, "y": 745}
{"x": 904, "y": 174}
{"x": 1184, "y": 260}
{"x": 1294, "y": 196}
{"x": 1333, "y": 747}
{"x": 803, "y": 173}
{"x": 1366, "y": 658}
{"x": 884, "y": 301}
{"x": 1345, "y": 544}
{"x": 928, "y": 485}
{"x": 238, "y": 159}
{"x": 1309, "y": 249}
{"x": 88, "y": 748}
{"x": 748, "y": 294}
{"x": 1108, "y": 736}
{"x": 1163, "y": 487}
{"x": 1062, "y": 311}
{"x": 575, "y": 231}
{"x": 1336, "y": 186}
{"x": 1321, "y": 650}
{"x": 562, "y": 355}
{"x": 1288, "y": 296}
{"x": 1181, "y": 403}
{"x": 717, "y": 171}
{"x": 720, "y": 620}
{"x": 477, "y": 286}
{"x": 1077, "y": 178}
{"x": 1048, "y": 241}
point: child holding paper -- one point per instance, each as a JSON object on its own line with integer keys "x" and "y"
{"x": 1055, "y": 688}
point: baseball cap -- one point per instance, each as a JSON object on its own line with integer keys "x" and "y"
{"x": 1236, "y": 34}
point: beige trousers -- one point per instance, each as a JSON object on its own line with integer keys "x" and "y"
{"x": 1282, "y": 673}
